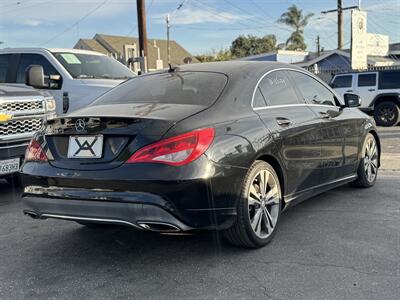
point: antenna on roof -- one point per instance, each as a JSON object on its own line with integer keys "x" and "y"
{"x": 172, "y": 68}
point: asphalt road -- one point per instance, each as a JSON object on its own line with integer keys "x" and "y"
{"x": 344, "y": 244}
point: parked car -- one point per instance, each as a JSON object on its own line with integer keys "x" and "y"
{"x": 379, "y": 91}
{"x": 74, "y": 77}
{"x": 224, "y": 146}
{"x": 23, "y": 111}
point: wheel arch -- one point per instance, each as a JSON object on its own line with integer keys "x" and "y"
{"x": 378, "y": 142}
{"x": 274, "y": 162}
{"x": 395, "y": 97}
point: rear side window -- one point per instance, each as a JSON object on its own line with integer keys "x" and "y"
{"x": 278, "y": 89}
{"x": 312, "y": 91}
{"x": 258, "y": 100}
{"x": 34, "y": 59}
{"x": 342, "y": 81}
{"x": 5, "y": 60}
{"x": 366, "y": 80}
{"x": 200, "y": 88}
{"x": 389, "y": 80}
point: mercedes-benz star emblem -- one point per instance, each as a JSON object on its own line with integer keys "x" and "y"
{"x": 80, "y": 125}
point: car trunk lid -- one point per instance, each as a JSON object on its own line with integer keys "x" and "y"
{"x": 122, "y": 128}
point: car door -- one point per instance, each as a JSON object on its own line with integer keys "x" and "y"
{"x": 343, "y": 84}
{"x": 339, "y": 131}
{"x": 294, "y": 127}
{"x": 367, "y": 87}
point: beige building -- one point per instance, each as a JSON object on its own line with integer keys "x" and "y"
{"x": 124, "y": 47}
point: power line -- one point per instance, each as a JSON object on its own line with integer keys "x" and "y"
{"x": 218, "y": 14}
{"x": 76, "y": 23}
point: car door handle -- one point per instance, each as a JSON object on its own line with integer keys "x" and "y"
{"x": 371, "y": 90}
{"x": 324, "y": 115}
{"x": 283, "y": 121}
{"x": 349, "y": 91}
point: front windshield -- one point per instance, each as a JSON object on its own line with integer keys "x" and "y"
{"x": 91, "y": 66}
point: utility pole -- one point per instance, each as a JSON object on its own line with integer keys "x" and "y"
{"x": 340, "y": 24}
{"x": 141, "y": 17}
{"x": 318, "y": 46}
{"x": 168, "y": 44}
{"x": 339, "y": 11}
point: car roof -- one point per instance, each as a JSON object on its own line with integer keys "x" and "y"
{"x": 237, "y": 67}
{"x": 52, "y": 50}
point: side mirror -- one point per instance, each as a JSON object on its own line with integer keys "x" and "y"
{"x": 352, "y": 100}
{"x": 34, "y": 77}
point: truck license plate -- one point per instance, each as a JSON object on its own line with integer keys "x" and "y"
{"x": 9, "y": 166}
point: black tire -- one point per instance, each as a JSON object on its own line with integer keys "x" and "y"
{"x": 387, "y": 113}
{"x": 363, "y": 179}
{"x": 242, "y": 233}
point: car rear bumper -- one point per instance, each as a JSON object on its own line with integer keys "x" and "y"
{"x": 204, "y": 201}
{"x": 140, "y": 216}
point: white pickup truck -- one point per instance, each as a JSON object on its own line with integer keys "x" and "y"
{"x": 73, "y": 77}
{"x": 379, "y": 92}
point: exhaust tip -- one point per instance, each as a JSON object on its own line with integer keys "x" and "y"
{"x": 159, "y": 227}
{"x": 31, "y": 214}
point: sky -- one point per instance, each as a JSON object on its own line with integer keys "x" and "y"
{"x": 200, "y": 26}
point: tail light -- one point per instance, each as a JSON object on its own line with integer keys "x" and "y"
{"x": 35, "y": 152}
{"x": 176, "y": 151}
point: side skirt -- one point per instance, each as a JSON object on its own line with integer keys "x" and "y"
{"x": 293, "y": 199}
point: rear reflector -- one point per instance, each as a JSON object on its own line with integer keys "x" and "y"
{"x": 176, "y": 151}
{"x": 35, "y": 152}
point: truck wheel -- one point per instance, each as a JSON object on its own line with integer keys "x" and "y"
{"x": 386, "y": 113}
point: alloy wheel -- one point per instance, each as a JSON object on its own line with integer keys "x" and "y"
{"x": 263, "y": 203}
{"x": 371, "y": 159}
{"x": 386, "y": 113}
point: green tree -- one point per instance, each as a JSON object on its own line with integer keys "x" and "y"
{"x": 294, "y": 18}
{"x": 248, "y": 45}
{"x": 221, "y": 55}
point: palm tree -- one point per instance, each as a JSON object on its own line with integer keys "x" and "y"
{"x": 294, "y": 18}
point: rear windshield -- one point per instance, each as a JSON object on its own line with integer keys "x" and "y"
{"x": 201, "y": 88}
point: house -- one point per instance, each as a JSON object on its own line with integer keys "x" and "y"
{"x": 123, "y": 48}
{"x": 394, "y": 50}
{"x": 328, "y": 60}
{"x": 284, "y": 56}
{"x": 340, "y": 60}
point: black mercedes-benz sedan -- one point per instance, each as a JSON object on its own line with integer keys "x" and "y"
{"x": 220, "y": 146}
